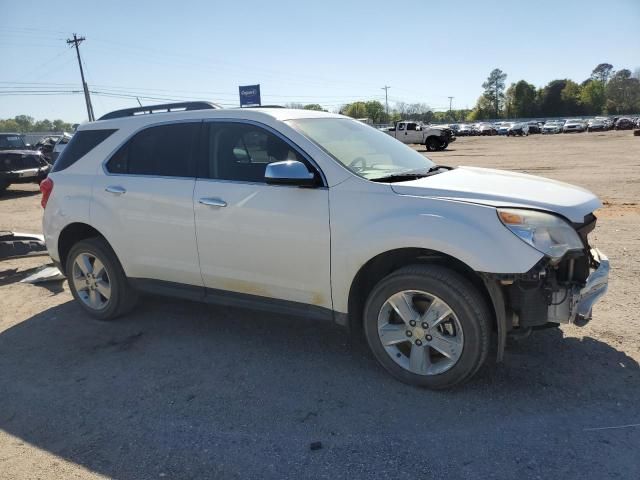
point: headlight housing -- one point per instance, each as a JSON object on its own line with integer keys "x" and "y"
{"x": 545, "y": 232}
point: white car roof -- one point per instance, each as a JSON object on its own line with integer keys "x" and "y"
{"x": 255, "y": 114}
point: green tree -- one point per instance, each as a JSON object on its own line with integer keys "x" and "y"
{"x": 9, "y": 125}
{"x": 314, "y": 106}
{"x": 623, "y": 93}
{"x": 375, "y": 111}
{"x": 61, "y": 126}
{"x": 43, "y": 126}
{"x": 494, "y": 90}
{"x": 520, "y": 100}
{"x": 551, "y": 104}
{"x": 484, "y": 109}
{"x": 355, "y": 110}
{"x": 592, "y": 97}
{"x": 602, "y": 72}
{"x": 570, "y": 96}
{"x": 25, "y": 123}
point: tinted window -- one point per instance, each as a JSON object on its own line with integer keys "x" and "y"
{"x": 165, "y": 150}
{"x": 80, "y": 144}
{"x": 8, "y": 142}
{"x": 242, "y": 152}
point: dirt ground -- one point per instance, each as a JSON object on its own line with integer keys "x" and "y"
{"x": 183, "y": 390}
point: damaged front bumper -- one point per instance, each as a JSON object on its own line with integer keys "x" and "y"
{"x": 575, "y": 304}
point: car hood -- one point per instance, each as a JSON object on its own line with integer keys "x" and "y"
{"x": 500, "y": 188}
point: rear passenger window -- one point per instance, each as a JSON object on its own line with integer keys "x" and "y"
{"x": 165, "y": 150}
{"x": 242, "y": 152}
{"x": 80, "y": 144}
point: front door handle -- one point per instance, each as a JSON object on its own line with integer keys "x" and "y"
{"x": 213, "y": 202}
{"x": 115, "y": 189}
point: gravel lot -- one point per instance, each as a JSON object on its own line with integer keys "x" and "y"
{"x": 183, "y": 390}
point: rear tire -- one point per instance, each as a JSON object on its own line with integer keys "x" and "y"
{"x": 97, "y": 280}
{"x": 3, "y": 186}
{"x": 464, "y": 332}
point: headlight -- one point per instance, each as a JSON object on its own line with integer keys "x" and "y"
{"x": 545, "y": 232}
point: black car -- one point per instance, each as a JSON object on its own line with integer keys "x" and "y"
{"x": 534, "y": 127}
{"x": 624, "y": 124}
{"x": 18, "y": 164}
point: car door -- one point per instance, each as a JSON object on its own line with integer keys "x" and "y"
{"x": 143, "y": 204}
{"x": 402, "y": 134}
{"x": 255, "y": 239}
{"x": 413, "y": 134}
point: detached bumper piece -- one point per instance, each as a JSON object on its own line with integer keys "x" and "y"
{"x": 18, "y": 245}
{"x": 577, "y": 303}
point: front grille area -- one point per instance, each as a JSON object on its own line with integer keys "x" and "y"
{"x": 18, "y": 161}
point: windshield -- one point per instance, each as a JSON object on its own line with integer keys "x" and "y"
{"x": 11, "y": 141}
{"x": 364, "y": 150}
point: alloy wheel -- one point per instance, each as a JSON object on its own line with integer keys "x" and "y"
{"x": 420, "y": 332}
{"x": 91, "y": 281}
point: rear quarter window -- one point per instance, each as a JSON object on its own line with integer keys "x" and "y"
{"x": 80, "y": 144}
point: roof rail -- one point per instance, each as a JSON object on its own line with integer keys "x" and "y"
{"x": 164, "y": 108}
{"x": 263, "y": 106}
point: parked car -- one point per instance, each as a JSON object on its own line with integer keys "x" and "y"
{"x": 433, "y": 138}
{"x": 511, "y": 129}
{"x": 553, "y": 126}
{"x": 503, "y": 127}
{"x": 45, "y": 145}
{"x": 596, "y": 125}
{"x": 534, "y": 127}
{"x": 572, "y": 126}
{"x": 624, "y": 123}
{"x": 60, "y": 145}
{"x": 487, "y": 129}
{"x": 18, "y": 163}
{"x": 465, "y": 130}
{"x": 305, "y": 212}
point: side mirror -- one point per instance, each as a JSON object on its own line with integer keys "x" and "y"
{"x": 289, "y": 172}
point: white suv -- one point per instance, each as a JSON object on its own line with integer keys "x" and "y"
{"x": 319, "y": 215}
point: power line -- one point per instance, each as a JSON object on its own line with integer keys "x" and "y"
{"x": 76, "y": 42}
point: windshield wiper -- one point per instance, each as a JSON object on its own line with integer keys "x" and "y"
{"x": 411, "y": 174}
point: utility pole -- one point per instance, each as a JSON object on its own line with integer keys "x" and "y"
{"x": 76, "y": 42}
{"x": 450, "y": 102}
{"x": 386, "y": 98}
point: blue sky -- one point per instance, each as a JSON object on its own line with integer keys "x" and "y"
{"x": 328, "y": 52}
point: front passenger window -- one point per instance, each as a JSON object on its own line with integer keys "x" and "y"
{"x": 242, "y": 152}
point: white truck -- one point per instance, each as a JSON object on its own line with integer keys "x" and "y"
{"x": 411, "y": 132}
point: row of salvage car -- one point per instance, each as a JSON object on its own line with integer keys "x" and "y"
{"x": 514, "y": 128}
{"x": 21, "y": 162}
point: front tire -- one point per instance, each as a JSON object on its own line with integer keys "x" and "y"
{"x": 97, "y": 280}
{"x": 428, "y": 326}
{"x": 432, "y": 144}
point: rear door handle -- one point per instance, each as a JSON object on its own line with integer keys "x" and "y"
{"x": 115, "y": 189}
{"x": 213, "y": 202}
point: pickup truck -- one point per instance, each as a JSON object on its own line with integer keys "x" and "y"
{"x": 434, "y": 138}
